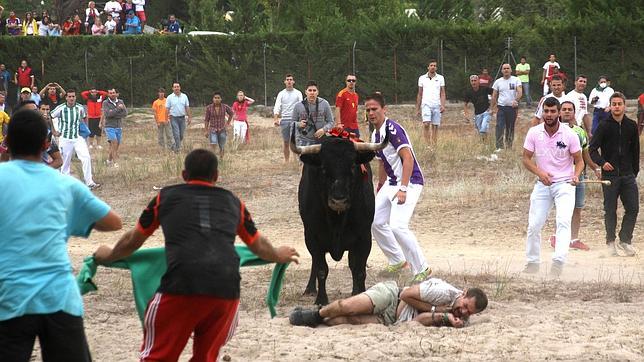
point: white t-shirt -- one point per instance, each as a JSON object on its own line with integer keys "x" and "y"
{"x": 507, "y": 90}
{"x": 431, "y": 89}
{"x": 110, "y": 26}
{"x": 285, "y": 103}
{"x": 114, "y": 8}
{"x": 603, "y": 100}
{"x": 139, "y": 5}
{"x": 548, "y": 67}
{"x": 539, "y": 111}
{"x": 581, "y": 105}
{"x": 43, "y": 30}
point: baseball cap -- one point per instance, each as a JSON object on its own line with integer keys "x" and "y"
{"x": 25, "y": 90}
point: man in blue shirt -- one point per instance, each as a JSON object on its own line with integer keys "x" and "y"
{"x": 39, "y": 210}
{"x": 173, "y": 25}
{"x": 132, "y": 24}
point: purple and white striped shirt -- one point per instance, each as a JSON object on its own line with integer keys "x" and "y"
{"x": 389, "y": 155}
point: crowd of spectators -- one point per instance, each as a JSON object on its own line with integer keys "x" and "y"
{"x": 117, "y": 17}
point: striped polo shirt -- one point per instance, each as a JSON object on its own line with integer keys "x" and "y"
{"x": 69, "y": 119}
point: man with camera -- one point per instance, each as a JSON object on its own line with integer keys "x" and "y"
{"x": 314, "y": 116}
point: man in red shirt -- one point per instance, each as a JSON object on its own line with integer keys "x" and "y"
{"x": 640, "y": 113}
{"x": 23, "y": 77}
{"x": 346, "y": 106}
{"x": 94, "y": 99}
{"x": 485, "y": 80}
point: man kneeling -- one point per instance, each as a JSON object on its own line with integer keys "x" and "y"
{"x": 433, "y": 302}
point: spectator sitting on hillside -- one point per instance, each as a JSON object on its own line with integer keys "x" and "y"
{"x": 13, "y": 24}
{"x": 113, "y": 8}
{"x": 110, "y": 25}
{"x": 98, "y": 28}
{"x": 53, "y": 29}
{"x": 72, "y": 26}
{"x": 173, "y": 25}
{"x": 91, "y": 14}
{"x": 132, "y": 24}
{"x": 43, "y": 26}
{"x": 29, "y": 25}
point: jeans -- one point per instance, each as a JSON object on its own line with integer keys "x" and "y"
{"x": 598, "y": 116}
{"x": 526, "y": 92}
{"x": 562, "y": 194}
{"x": 482, "y": 121}
{"x": 625, "y": 188}
{"x": 178, "y": 129}
{"x": 505, "y": 119}
{"x": 164, "y": 131}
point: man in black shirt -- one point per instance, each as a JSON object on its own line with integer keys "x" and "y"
{"x": 619, "y": 158}
{"x": 479, "y": 96}
{"x": 199, "y": 293}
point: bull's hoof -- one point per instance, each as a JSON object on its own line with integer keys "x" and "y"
{"x": 310, "y": 292}
{"x": 321, "y": 300}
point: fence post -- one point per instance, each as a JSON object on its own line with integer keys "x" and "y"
{"x": 131, "y": 85}
{"x": 265, "y": 84}
{"x": 86, "y": 75}
{"x": 442, "y": 62}
{"x": 575, "y": 44}
{"x": 353, "y": 56}
{"x": 176, "y": 62}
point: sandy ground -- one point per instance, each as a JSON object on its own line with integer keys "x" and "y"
{"x": 470, "y": 222}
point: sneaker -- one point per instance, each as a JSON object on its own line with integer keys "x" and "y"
{"x": 305, "y": 317}
{"x": 115, "y": 165}
{"x": 531, "y": 268}
{"x": 556, "y": 269}
{"x": 498, "y": 150}
{"x": 395, "y": 268}
{"x": 553, "y": 240}
{"x": 577, "y": 244}
{"x": 627, "y": 249}
{"x": 109, "y": 163}
{"x": 420, "y": 277}
{"x": 612, "y": 249}
{"x": 94, "y": 186}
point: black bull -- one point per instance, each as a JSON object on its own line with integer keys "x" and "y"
{"x": 336, "y": 203}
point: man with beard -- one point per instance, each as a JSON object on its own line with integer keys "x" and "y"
{"x": 550, "y": 150}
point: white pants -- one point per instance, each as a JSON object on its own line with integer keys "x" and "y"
{"x": 239, "y": 130}
{"x": 67, "y": 148}
{"x": 562, "y": 194}
{"x": 390, "y": 227}
{"x": 546, "y": 89}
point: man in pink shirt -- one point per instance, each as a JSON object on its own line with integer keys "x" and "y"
{"x": 553, "y": 153}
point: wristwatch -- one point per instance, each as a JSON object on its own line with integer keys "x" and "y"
{"x": 403, "y": 188}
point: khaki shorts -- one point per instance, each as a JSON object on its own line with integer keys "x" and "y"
{"x": 384, "y": 297}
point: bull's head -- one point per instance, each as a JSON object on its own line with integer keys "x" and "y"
{"x": 337, "y": 159}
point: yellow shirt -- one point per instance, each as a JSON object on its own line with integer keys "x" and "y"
{"x": 4, "y": 122}
{"x": 160, "y": 112}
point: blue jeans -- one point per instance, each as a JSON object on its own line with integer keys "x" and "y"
{"x": 178, "y": 130}
{"x": 526, "y": 92}
{"x": 482, "y": 121}
{"x": 598, "y": 116}
{"x": 505, "y": 118}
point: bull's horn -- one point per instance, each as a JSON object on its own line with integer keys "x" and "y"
{"x": 303, "y": 150}
{"x": 369, "y": 146}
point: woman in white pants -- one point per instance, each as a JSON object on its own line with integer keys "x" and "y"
{"x": 240, "y": 124}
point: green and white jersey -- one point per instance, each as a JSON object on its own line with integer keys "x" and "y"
{"x": 69, "y": 119}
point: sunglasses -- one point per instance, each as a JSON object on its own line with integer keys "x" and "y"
{"x": 351, "y": 80}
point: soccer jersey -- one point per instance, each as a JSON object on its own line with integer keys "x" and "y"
{"x": 581, "y": 105}
{"x": 539, "y": 111}
{"x": 348, "y": 103}
{"x": 549, "y": 67}
{"x": 389, "y": 155}
{"x": 69, "y": 119}
{"x": 431, "y": 89}
{"x": 199, "y": 224}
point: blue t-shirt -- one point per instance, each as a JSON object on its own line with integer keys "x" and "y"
{"x": 39, "y": 210}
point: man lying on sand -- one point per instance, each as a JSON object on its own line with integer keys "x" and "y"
{"x": 433, "y": 302}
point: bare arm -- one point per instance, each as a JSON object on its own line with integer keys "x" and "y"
{"x": 531, "y": 166}
{"x": 127, "y": 244}
{"x": 495, "y": 97}
{"x": 579, "y": 166}
{"x": 408, "y": 167}
{"x": 266, "y": 251}
{"x": 250, "y": 100}
{"x": 382, "y": 175}
{"x": 109, "y": 222}
{"x": 419, "y": 98}
{"x": 443, "y": 98}
{"x": 588, "y": 124}
{"x": 337, "y": 116}
{"x": 189, "y": 113}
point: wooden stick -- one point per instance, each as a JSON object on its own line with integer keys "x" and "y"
{"x": 603, "y": 182}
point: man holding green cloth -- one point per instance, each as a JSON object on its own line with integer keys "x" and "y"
{"x": 200, "y": 290}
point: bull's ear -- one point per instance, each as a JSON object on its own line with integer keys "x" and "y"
{"x": 364, "y": 157}
{"x": 312, "y": 159}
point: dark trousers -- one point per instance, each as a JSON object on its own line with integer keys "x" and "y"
{"x": 625, "y": 188}
{"x": 505, "y": 119}
{"x": 598, "y": 116}
{"x": 61, "y": 336}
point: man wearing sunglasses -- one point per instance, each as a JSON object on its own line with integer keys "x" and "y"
{"x": 346, "y": 106}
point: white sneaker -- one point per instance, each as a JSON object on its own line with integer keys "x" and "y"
{"x": 612, "y": 249}
{"x": 115, "y": 165}
{"x": 627, "y": 249}
{"x": 99, "y": 147}
{"x": 498, "y": 150}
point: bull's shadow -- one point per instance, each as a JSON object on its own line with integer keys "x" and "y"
{"x": 336, "y": 203}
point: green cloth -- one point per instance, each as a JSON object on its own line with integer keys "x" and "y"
{"x": 147, "y": 266}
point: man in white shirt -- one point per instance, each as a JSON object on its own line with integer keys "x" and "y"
{"x": 579, "y": 99}
{"x": 178, "y": 107}
{"x": 114, "y": 8}
{"x": 557, "y": 87}
{"x": 600, "y": 99}
{"x": 139, "y": 7}
{"x": 285, "y": 102}
{"x": 506, "y": 94}
{"x": 430, "y": 101}
{"x": 548, "y": 70}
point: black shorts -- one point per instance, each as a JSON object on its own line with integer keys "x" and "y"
{"x": 94, "y": 128}
{"x": 61, "y": 336}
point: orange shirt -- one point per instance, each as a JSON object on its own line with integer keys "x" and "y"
{"x": 348, "y": 104}
{"x": 160, "y": 112}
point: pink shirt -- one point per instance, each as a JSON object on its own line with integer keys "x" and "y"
{"x": 553, "y": 154}
{"x": 240, "y": 110}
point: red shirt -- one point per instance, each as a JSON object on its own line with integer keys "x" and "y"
{"x": 94, "y": 104}
{"x": 240, "y": 110}
{"x": 641, "y": 100}
{"x": 485, "y": 80}
{"x": 348, "y": 104}
{"x": 24, "y": 77}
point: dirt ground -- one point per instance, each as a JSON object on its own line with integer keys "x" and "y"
{"x": 470, "y": 222}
